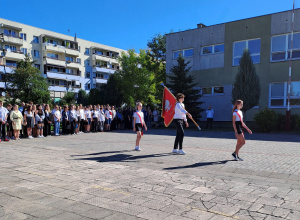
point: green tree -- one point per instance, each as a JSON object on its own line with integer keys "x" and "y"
{"x": 181, "y": 82}
{"x": 111, "y": 92}
{"x": 27, "y": 84}
{"x": 94, "y": 97}
{"x": 136, "y": 80}
{"x": 69, "y": 98}
{"x": 82, "y": 97}
{"x": 246, "y": 86}
{"x": 156, "y": 61}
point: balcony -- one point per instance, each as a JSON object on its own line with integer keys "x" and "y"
{"x": 64, "y": 76}
{"x": 16, "y": 40}
{"x": 101, "y": 80}
{"x": 14, "y": 55}
{"x": 54, "y": 61}
{"x": 63, "y": 89}
{"x": 8, "y": 69}
{"x": 104, "y": 58}
{"x": 73, "y": 64}
{"x": 104, "y": 70}
{"x": 61, "y": 49}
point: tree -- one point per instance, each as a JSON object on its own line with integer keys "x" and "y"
{"x": 181, "y": 82}
{"x": 111, "y": 92}
{"x": 94, "y": 97}
{"x": 27, "y": 84}
{"x": 136, "y": 80}
{"x": 69, "y": 98}
{"x": 246, "y": 86}
{"x": 82, "y": 97}
{"x": 156, "y": 61}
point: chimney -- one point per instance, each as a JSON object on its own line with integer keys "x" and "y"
{"x": 201, "y": 25}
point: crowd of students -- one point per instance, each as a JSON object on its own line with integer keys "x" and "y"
{"x": 35, "y": 121}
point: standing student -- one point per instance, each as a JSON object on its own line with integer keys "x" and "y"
{"x": 77, "y": 126}
{"x": 65, "y": 120}
{"x": 95, "y": 115}
{"x": 209, "y": 117}
{"x": 3, "y": 119}
{"x": 47, "y": 121}
{"x": 34, "y": 112}
{"x": 57, "y": 119}
{"x": 179, "y": 118}
{"x": 138, "y": 124}
{"x": 73, "y": 119}
{"x": 155, "y": 117}
{"x": 9, "y": 122}
{"x": 29, "y": 120}
{"x": 108, "y": 117}
{"x": 39, "y": 120}
{"x": 16, "y": 117}
{"x": 88, "y": 116}
{"x": 101, "y": 118}
{"x": 238, "y": 125}
{"x": 82, "y": 119}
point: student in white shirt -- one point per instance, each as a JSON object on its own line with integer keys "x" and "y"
{"x": 179, "y": 117}
{"x": 108, "y": 117}
{"x": 95, "y": 114}
{"x": 101, "y": 118}
{"x": 57, "y": 119}
{"x": 238, "y": 125}
{"x": 82, "y": 119}
{"x": 138, "y": 124}
{"x": 29, "y": 120}
{"x": 88, "y": 116}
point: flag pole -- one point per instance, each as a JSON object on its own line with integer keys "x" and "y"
{"x": 163, "y": 85}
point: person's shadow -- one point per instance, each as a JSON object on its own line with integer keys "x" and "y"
{"x": 199, "y": 165}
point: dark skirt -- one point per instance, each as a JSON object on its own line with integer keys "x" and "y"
{"x": 30, "y": 123}
{"x": 239, "y": 127}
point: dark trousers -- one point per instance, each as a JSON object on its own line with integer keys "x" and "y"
{"x": 95, "y": 124}
{"x": 72, "y": 123}
{"x": 209, "y": 122}
{"x": 179, "y": 133}
{"x": 64, "y": 127}
{"x": 81, "y": 125}
{"x": 47, "y": 128}
{"x": 2, "y": 128}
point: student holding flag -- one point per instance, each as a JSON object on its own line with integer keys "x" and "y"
{"x": 179, "y": 118}
{"x": 238, "y": 125}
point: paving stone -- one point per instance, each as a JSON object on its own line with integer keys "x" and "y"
{"x": 154, "y": 214}
{"x": 96, "y": 213}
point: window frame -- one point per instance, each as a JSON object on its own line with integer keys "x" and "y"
{"x": 183, "y": 55}
{"x": 212, "y": 91}
{"x": 247, "y": 47}
{"x": 36, "y": 39}
{"x": 213, "y": 49}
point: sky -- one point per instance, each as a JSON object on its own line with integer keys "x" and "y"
{"x": 130, "y": 24}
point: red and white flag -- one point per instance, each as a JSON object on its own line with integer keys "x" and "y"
{"x": 168, "y": 106}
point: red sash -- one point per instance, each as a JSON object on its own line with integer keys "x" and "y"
{"x": 142, "y": 122}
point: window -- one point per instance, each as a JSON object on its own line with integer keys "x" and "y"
{"x": 35, "y": 39}
{"x": 78, "y": 60}
{"x": 36, "y": 53}
{"x": 11, "y": 48}
{"x": 183, "y": 53}
{"x": 69, "y": 71}
{"x": 23, "y": 36}
{"x": 281, "y": 46}
{"x": 213, "y": 49}
{"x": 98, "y": 52}
{"x": 52, "y": 55}
{"x": 11, "y": 63}
{"x": 38, "y": 66}
{"x": 54, "y": 42}
{"x": 252, "y": 45}
{"x": 279, "y": 94}
{"x": 70, "y": 59}
{"x": 88, "y": 74}
{"x": 24, "y": 50}
{"x": 9, "y": 32}
{"x": 214, "y": 90}
{"x": 87, "y": 62}
{"x": 87, "y": 51}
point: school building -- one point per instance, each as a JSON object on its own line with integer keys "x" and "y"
{"x": 214, "y": 53}
{"x": 69, "y": 63}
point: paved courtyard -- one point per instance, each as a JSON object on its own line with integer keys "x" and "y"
{"x": 99, "y": 176}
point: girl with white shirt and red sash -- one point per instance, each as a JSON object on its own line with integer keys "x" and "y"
{"x": 179, "y": 118}
{"x": 238, "y": 125}
{"x": 138, "y": 124}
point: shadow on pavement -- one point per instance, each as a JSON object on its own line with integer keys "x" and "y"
{"x": 198, "y": 165}
{"x": 122, "y": 157}
{"x": 99, "y": 153}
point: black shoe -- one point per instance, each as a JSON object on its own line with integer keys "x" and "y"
{"x": 235, "y": 157}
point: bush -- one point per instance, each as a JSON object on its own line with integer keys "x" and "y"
{"x": 267, "y": 120}
{"x": 281, "y": 122}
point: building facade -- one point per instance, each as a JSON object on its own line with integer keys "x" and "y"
{"x": 68, "y": 63}
{"x": 214, "y": 53}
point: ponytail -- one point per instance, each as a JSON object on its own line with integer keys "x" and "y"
{"x": 236, "y": 103}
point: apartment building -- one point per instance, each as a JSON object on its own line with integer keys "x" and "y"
{"x": 214, "y": 53}
{"x": 69, "y": 63}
